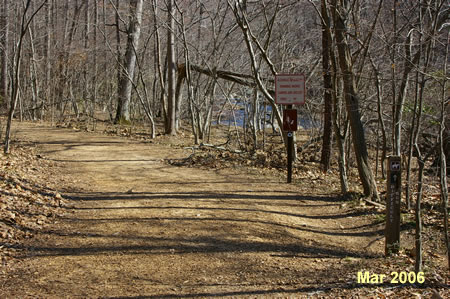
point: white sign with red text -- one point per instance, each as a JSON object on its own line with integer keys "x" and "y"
{"x": 290, "y": 89}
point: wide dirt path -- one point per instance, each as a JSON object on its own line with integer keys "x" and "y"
{"x": 138, "y": 227}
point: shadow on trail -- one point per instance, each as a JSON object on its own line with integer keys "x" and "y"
{"x": 277, "y": 291}
{"x": 244, "y": 195}
{"x": 104, "y": 161}
{"x": 229, "y": 203}
{"x": 322, "y": 231}
{"x": 334, "y": 216}
{"x": 200, "y": 245}
{"x": 70, "y": 144}
{"x": 230, "y": 225}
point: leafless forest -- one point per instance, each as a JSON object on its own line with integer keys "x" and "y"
{"x": 376, "y": 72}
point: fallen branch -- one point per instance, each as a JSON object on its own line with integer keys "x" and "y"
{"x": 220, "y": 148}
{"x": 374, "y": 203}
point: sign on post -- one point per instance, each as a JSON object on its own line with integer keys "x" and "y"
{"x": 290, "y": 120}
{"x": 393, "y": 199}
{"x": 290, "y": 89}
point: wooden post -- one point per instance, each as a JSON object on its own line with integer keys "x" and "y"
{"x": 289, "y": 126}
{"x": 393, "y": 199}
{"x": 290, "y": 148}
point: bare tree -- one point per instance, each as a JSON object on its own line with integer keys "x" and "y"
{"x": 239, "y": 9}
{"x": 125, "y": 84}
{"x": 444, "y": 125}
{"x": 65, "y": 54}
{"x": 48, "y": 66}
{"x": 25, "y": 23}
{"x": 4, "y": 40}
{"x": 95, "y": 75}
{"x": 341, "y": 10}
{"x": 171, "y": 128}
{"x": 327, "y": 86}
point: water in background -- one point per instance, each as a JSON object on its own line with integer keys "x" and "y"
{"x": 241, "y": 114}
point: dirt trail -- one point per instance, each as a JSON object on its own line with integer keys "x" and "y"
{"x": 138, "y": 227}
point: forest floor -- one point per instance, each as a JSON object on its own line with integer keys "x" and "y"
{"x": 123, "y": 221}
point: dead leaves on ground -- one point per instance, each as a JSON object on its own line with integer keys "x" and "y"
{"x": 26, "y": 206}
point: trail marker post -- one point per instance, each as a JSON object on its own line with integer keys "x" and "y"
{"x": 290, "y": 90}
{"x": 289, "y": 126}
{"x": 393, "y": 199}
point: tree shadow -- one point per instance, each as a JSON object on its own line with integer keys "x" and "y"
{"x": 247, "y": 195}
{"x": 230, "y": 215}
{"x": 197, "y": 245}
{"x": 267, "y": 292}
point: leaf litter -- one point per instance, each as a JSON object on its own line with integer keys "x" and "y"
{"x": 27, "y": 204}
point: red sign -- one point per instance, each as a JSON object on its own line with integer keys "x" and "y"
{"x": 290, "y": 89}
{"x": 290, "y": 120}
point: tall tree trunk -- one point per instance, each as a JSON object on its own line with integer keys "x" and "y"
{"x": 118, "y": 48}
{"x": 159, "y": 67}
{"x": 381, "y": 123}
{"x": 411, "y": 143}
{"x": 340, "y": 12}
{"x": 25, "y": 23}
{"x": 48, "y": 51}
{"x": 409, "y": 64}
{"x": 171, "y": 69}
{"x": 255, "y": 119}
{"x": 65, "y": 54}
{"x": 417, "y": 214}
{"x": 94, "y": 93}
{"x": 443, "y": 156}
{"x": 341, "y": 140}
{"x": 34, "y": 76}
{"x": 4, "y": 40}
{"x": 393, "y": 57}
{"x": 125, "y": 84}
{"x": 327, "y": 86}
{"x": 87, "y": 64}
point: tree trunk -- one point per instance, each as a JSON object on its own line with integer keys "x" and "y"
{"x": 443, "y": 156}
{"x": 158, "y": 66}
{"x": 87, "y": 64}
{"x": 409, "y": 64}
{"x": 118, "y": 47}
{"x": 17, "y": 61}
{"x": 255, "y": 119}
{"x": 418, "y": 216}
{"x": 443, "y": 173}
{"x": 48, "y": 66}
{"x": 171, "y": 69}
{"x": 34, "y": 76}
{"x": 381, "y": 123}
{"x": 4, "y": 40}
{"x": 125, "y": 84}
{"x": 94, "y": 79}
{"x": 411, "y": 144}
{"x": 65, "y": 54}
{"x": 393, "y": 48}
{"x": 327, "y": 96}
{"x": 352, "y": 101}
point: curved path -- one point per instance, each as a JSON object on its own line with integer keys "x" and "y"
{"x": 138, "y": 227}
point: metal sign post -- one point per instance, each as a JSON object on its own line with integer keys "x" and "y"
{"x": 393, "y": 198}
{"x": 290, "y": 90}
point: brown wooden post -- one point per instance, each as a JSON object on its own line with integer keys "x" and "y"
{"x": 289, "y": 126}
{"x": 393, "y": 199}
